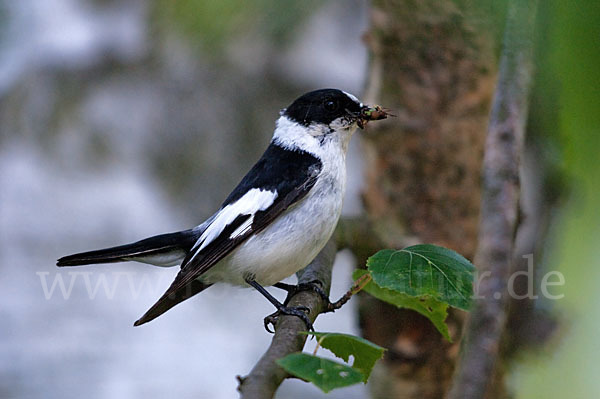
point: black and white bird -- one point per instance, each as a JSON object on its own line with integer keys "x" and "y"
{"x": 275, "y": 221}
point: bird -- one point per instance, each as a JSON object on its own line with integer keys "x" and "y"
{"x": 274, "y": 222}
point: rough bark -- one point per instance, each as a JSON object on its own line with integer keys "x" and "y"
{"x": 433, "y": 63}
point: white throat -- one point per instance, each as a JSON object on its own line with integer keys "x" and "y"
{"x": 315, "y": 138}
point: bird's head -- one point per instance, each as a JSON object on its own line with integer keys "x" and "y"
{"x": 328, "y": 114}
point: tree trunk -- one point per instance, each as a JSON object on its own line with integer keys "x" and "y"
{"x": 434, "y": 65}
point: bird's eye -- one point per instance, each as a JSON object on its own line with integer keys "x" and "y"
{"x": 330, "y": 105}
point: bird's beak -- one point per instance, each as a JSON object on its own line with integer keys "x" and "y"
{"x": 371, "y": 113}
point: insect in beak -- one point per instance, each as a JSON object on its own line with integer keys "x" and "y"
{"x": 374, "y": 113}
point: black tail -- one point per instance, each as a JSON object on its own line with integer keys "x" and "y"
{"x": 168, "y": 301}
{"x": 181, "y": 241}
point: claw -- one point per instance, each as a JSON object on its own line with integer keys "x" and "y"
{"x": 310, "y": 286}
{"x": 300, "y": 312}
{"x": 270, "y": 319}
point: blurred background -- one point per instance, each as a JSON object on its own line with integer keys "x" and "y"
{"x": 121, "y": 119}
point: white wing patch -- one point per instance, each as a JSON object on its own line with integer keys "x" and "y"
{"x": 243, "y": 227}
{"x": 253, "y": 201}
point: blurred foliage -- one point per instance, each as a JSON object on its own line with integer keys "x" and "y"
{"x": 570, "y": 67}
{"x": 211, "y": 23}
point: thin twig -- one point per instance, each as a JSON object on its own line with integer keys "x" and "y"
{"x": 266, "y": 376}
{"x": 357, "y": 286}
{"x": 500, "y": 199}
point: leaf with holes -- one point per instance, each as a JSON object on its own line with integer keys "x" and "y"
{"x": 436, "y": 311}
{"x": 425, "y": 269}
{"x": 324, "y": 373}
{"x": 365, "y": 352}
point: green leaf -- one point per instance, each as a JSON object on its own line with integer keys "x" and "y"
{"x": 365, "y": 352}
{"x": 427, "y": 270}
{"x": 436, "y": 311}
{"x": 324, "y": 373}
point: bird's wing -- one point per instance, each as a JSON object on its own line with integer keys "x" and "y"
{"x": 278, "y": 180}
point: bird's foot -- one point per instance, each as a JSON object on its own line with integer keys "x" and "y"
{"x": 300, "y": 311}
{"x": 314, "y": 286}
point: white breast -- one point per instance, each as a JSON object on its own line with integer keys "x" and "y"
{"x": 295, "y": 238}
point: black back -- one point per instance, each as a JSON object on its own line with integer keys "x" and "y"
{"x": 278, "y": 169}
{"x": 321, "y": 106}
{"x": 291, "y": 173}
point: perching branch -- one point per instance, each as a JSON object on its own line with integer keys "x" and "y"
{"x": 499, "y": 207}
{"x": 266, "y": 376}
